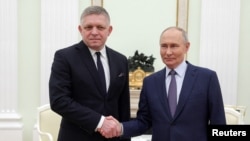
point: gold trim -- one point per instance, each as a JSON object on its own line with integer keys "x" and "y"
{"x": 187, "y": 14}
{"x": 97, "y": 2}
{"x": 177, "y": 12}
{"x": 182, "y": 6}
{"x": 136, "y": 78}
{"x": 182, "y": 12}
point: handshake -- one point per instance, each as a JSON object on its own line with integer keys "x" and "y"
{"x": 111, "y": 127}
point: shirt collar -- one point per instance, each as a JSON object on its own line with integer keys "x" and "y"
{"x": 180, "y": 70}
{"x": 103, "y": 52}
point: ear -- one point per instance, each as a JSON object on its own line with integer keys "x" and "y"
{"x": 187, "y": 46}
{"x": 110, "y": 29}
{"x": 80, "y": 28}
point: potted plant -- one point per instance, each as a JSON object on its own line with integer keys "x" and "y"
{"x": 142, "y": 61}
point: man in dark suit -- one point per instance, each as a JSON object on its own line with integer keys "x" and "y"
{"x": 198, "y": 101}
{"x": 75, "y": 88}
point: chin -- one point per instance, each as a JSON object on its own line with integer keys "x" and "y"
{"x": 95, "y": 45}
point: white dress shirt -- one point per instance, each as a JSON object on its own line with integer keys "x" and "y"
{"x": 180, "y": 74}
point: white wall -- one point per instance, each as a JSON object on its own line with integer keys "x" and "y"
{"x": 137, "y": 26}
{"x": 243, "y": 91}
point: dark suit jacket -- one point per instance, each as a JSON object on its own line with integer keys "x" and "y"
{"x": 75, "y": 93}
{"x": 199, "y": 105}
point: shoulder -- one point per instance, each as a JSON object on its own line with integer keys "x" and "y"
{"x": 69, "y": 49}
{"x": 156, "y": 75}
{"x": 201, "y": 72}
{"x": 115, "y": 54}
{"x": 196, "y": 68}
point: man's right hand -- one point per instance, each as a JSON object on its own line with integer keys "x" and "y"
{"x": 110, "y": 127}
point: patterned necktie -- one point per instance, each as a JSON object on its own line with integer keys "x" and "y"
{"x": 101, "y": 72}
{"x": 172, "y": 93}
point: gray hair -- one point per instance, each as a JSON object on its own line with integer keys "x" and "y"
{"x": 98, "y": 10}
{"x": 184, "y": 33}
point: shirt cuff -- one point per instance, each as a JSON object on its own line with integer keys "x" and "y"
{"x": 99, "y": 125}
{"x": 121, "y": 129}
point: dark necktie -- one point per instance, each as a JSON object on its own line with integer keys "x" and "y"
{"x": 101, "y": 72}
{"x": 172, "y": 93}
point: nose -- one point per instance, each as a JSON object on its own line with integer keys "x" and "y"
{"x": 169, "y": 51}
{"x": 94, "y": 30}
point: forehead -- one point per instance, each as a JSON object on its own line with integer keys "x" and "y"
{"x": 94, "y": 19}
{"x": 171, "y": 35}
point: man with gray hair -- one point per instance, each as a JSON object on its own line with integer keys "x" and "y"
{"x": 178, "y": 102}
{"x": 89, "y": 81}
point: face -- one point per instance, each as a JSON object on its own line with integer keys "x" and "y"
{"x": 173, "y": 48}
{"x": 95, "y": 30}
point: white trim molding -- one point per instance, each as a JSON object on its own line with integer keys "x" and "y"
{"x": 10, "y": 120}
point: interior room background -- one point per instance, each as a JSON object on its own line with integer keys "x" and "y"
{"x": 31, "y": 31}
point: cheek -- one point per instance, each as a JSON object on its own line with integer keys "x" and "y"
{"x": 85, "y": 34}
{"x": 82, "y": 34}
{"x": 179, "y": 54}
{"x": 186, "y": 49}
{"x": 105, "y": 34}
{"x": 162, "y": 51}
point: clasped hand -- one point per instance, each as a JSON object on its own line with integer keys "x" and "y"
{"x": 110, "y": 127}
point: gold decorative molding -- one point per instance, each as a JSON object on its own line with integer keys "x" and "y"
{"x": 97, "y": 2}
{"x": 182, "y": 14}
{"x": 136, "y": 78}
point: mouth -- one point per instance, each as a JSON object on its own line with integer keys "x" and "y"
{"x": 94, "y": 39}
{"x": 169, "y": 59}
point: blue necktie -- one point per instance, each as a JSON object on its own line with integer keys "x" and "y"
{"x": 101, "y": 72}
{"x": 172, "y": 93}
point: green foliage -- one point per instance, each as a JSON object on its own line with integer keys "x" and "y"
{"x": 142, "y": 61}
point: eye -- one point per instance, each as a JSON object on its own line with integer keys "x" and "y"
{"x": 88, "y": 27}
{"x": 174, "y": 46}
{"x": 100, "y": 27}
{"x": 164, "y": 45}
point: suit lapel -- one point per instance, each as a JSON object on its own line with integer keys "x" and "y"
{"x": 111, "y": 67}
{"x": 87, "y": 59}
{"x": 163, "y": 93}
{"x": 186, "y": 89}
